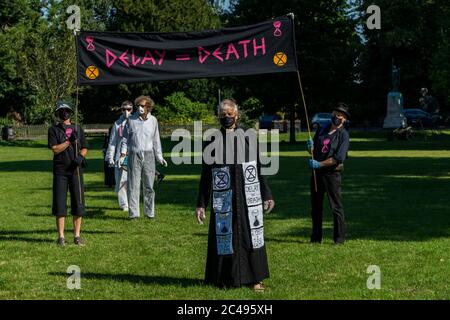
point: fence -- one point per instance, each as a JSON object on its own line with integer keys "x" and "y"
{"x": 35, "y": 132}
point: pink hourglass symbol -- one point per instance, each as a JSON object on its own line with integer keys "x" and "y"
{"x": 90, "y": 45}
{"x": 277, "y": 32}
{"x": 326, "y": 145}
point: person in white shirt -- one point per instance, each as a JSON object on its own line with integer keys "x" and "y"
{"x": 113, "y": 154}
{"x": 142, "y": 143}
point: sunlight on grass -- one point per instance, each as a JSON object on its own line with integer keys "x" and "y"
{"x": 395, "y": 204}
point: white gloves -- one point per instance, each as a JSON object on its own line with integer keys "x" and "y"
{"x": 163, "y": 162}
{"x": 120, "y": 162}
{"x": 111, "y": 163}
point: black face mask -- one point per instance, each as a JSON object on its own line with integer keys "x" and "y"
{"x": 227, "y": 122}
{"x": 336, "y": 121}
{"x": 64, "y": 115}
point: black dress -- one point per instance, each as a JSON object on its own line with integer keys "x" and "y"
{"x": 236, "y": 252}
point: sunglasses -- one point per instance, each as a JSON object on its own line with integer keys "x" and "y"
{"x": 140, "y": 105}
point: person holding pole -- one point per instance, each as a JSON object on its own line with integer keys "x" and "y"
{"x": 69, "y": 148}
{"x": 329, "y": 149}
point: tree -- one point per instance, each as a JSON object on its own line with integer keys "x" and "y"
{"x": 44, "y": 53}
{"x": 327, "y": 46}
{"x": 414, "y": 35}
{"x": 14, "y": 92}
{"x": 153, "y": 16}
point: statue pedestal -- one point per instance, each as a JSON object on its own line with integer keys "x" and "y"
{"x": 394, "y": 117}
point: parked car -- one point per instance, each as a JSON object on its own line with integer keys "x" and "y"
{"x": 266, "y": 121}
{"x": 322, "y": 119}
{"x": 418, "y": 117}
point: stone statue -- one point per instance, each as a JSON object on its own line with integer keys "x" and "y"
{"x": 394, "y": 117}
{"x": 395, "y": 78}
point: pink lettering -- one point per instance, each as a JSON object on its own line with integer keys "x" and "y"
{"x": 231, "y": 50}
{"x": 217, "y": 53}
{"x": 109, "y": 56}
{"x": 161, "y": 56}
{"x": 262, "y": 47}
{"x": 123, "y": 57}
{"x": 133, "y": 60}
{"x": 244, "y": 43}
{"x": 148, "y": 56}
{"x": 203, "y": 54}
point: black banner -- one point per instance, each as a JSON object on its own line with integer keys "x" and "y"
{"x": 112, "y": 57}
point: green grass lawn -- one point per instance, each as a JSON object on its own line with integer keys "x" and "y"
{"x": 396, "y": 198}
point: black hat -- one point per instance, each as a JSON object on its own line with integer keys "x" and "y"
{"x": 63, "y": 105}
{"x": 342, "y": 107}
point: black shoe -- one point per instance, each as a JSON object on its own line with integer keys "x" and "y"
{"x": 339, "y": 243}
{"x": 78, "y": 241}
{"x": 160, "y": 178}
{"x": 61, "y": 242}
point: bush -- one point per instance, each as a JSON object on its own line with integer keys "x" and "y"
{"x": 5, "y": 122}
{"x": 178, "y": 109}
{"x": 249, "y": 112}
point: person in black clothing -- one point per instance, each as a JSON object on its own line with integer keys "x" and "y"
{"x": 329, "y": 148}
{"x": 69, "y": 147}
{"x": 238, "y": 194}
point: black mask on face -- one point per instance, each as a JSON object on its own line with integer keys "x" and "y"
{"x": 336, "y": 121}
{"x": 64, "y": 114}
{"x": 227, "y": 122}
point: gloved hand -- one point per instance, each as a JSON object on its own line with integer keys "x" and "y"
{"x": 79, "y": 160}
{"x": 163, "y": 162}
{"x": 73, "y": 136}
{"x": 111, "y": 163}
{"x": 310, "y": 145}
{"x": 314, "y": 164}
{"x": 121, "y": 160}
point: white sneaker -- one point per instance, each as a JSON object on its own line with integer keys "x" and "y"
{"x": 125, "y": 209}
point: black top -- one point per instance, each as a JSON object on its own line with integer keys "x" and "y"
{"x": 333, "y": 145}
{"x": 59, "y": 133}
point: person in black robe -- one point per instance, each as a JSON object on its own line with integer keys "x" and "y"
{"x": 232, "y": 179}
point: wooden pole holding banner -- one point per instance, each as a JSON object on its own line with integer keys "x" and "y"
{"x": 291, "y": 15}
{"x": 76, "y": 121}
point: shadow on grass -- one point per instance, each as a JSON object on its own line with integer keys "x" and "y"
{"x": 385, "y": 198}
{"x": 48, "y": 231}
{"x": 24, "y": 144}
{"x": 92, "y": 213}
{"x": 25, "y": 239}
{"x": 138, "y": 279}
{"x": 17, "y": 235}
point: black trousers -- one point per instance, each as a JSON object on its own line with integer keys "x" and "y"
{"x": 73, "y": 184}
{"x": 329, "y": 183}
